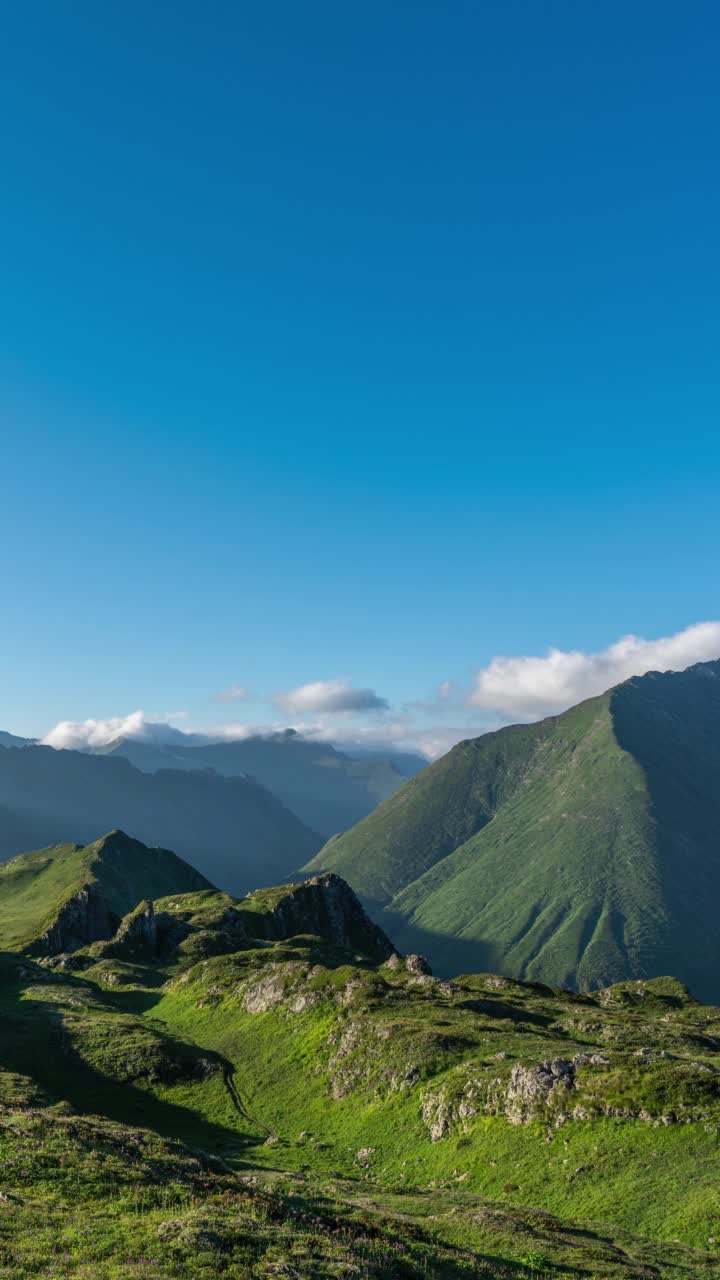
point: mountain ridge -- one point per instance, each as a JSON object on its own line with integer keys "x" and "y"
{"x": 266, "y": 1086}
{"x": 233, "y": 829}
{"x": 579, "y": 850}
{"x": 327, "y": 789}
{"x": 64, "y": 896}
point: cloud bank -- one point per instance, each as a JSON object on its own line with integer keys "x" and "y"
{"x": 507, "y": 689}
{"x": 384, "y": 738}
{"x": 83, "y": 735}
{"x": 532, "y": 687}
{"x": 329, "y": 697}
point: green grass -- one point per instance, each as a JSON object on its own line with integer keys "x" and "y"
{"x": 579, "y": 851}
{"x": 34, "y": 887}
{"x": 88, "y": 1198}
{"x": 226, "y": 1106}
{"x": 292, "y": 1081}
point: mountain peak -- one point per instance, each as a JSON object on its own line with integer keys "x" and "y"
{"x": 324, "y": 905}
{"x": 578, "y": 851}
{"x": 61, "y": 897}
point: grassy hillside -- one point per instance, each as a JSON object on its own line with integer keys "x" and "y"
{"x": 232, "y": 829}
{"x": 230, "y": 1102}
{"x": 433, "y": 814}
{"x": 36, "y": 887}
{"x": 579, "y": 851}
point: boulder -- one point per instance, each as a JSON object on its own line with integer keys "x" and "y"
{"x": 533, "y": 1089}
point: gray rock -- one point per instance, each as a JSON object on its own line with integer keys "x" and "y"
{"x": 326, "y": 906}
{"x": 137, "y": 932}
{"x": 532, "y": 1089}
{"x": 436, "y": 1114}
{"x": 266, "y": 993}
{"x": 84, "y": 918}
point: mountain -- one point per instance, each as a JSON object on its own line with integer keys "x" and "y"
{"x": 59, "y": 898}
{"x": 328, "y": 790}
{"x": 579, "y": 851}
{"x": 232, "y": 829}
{"x": 263, "y": 1086}
{"x": 12, "y": 740}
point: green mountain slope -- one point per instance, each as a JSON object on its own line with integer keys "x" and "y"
{"x": 244, "y": 1088}
{"x": 579, "y": 851}
{"x": 327, "y": 789}
{"x": 58, "y": 898}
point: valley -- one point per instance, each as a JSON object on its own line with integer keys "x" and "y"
{"x": 265, "y": 1086}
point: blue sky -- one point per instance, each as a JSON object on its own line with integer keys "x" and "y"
{"x": 352, "y": 343}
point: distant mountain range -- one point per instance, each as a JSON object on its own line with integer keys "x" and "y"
{"x": 245, "y": 813}
{"x": 232, "y": 829}
{"x": 12, "y": 740}
{"x": 578, "y": 851}
{"x": 326, "y": 788}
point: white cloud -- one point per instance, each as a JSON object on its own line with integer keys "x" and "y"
{"x": 84, "y": 735}
{"x": 524, "y": 688}
{"x": 430, "y": 741}
{"x": 531, "y": 687}
{"x": 235, "y": 693}
{"x": 329, "y": 696}
{"x": 384, "y": 737}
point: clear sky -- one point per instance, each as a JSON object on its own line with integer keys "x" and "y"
{"x": 360, "y": 342}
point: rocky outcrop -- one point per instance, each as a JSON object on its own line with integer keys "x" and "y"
{"x": 138, "y": 933}
{"x": 533, "y": 1089}
{"x": 84, "y": 918}
{"x": 325, "y": 906}
{"x": 267, "y": 991}
{"x": 436, "y": 1113}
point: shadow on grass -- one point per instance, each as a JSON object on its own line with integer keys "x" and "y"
{"x": 449, "y": 956}
{"x": 36, "y": 1043}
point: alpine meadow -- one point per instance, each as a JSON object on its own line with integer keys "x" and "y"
{"x": 360, "y": 710}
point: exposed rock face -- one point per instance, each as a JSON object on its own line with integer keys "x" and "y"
{"x": 137, "y": 932}
{"x": 437, "y": 1114}
{"x": 84, "y": 918}
{"x": 326, "y": 906}
{"x": 418, "y": 965}
{"x": 266, "y": 992}
{"x": 532, "y": 1089}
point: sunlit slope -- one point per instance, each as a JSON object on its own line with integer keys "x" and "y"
{"x": 562, "y": 884}
{"x": 346, "y": 1114}
{"x": 89, "y": 883}
{"x": 593, "y": 853}
{"x": 433, "y": 814}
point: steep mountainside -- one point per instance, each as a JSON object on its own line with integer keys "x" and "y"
{"x": 60, "y": 898}
{"x": 232, "y": 829}
{"x": 230, "y": 1089}
{"x": 579, "y": 851}
{"x": 327, "y": 789}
